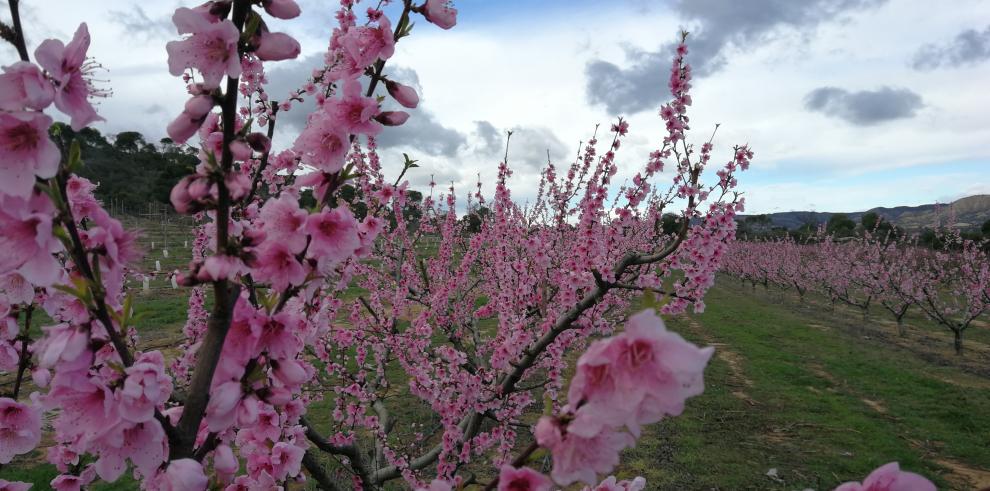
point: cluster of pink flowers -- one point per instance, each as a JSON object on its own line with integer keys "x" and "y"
{"x": 26, "y": 90}
{"x": 622, "y": 383}
{"x": 550, "y": 276}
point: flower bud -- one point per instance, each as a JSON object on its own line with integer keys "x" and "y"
{"x": 392, "y": 118}
{"x": 23, "y": 85}
{"x": 440, "y": 12}
{"x": 277, "y": 46}
{"x": 182, "y": 128}
{"x": 259, "y": 142}
{"x": 240, "y": 150}
{"x": 282, "y": 9}
{"x": 198, "y": 106}
{"x": 403, "y": 94}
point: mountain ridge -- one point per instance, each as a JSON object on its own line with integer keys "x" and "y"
{"x": 969, "y": 212}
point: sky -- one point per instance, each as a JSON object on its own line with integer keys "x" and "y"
{"x": 848, "y": 104}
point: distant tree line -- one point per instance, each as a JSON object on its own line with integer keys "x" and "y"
{"x": 840, "y": 226}
{"x": 130, "y": 171}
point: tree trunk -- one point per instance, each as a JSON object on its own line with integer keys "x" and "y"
{"x": 901, "y": 330}
{"x": 957, "y": 341}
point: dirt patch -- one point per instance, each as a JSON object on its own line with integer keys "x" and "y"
{"x": 820, "y": 327}
{"x": 735, "y": 362}
{"x": 967, "y": 382}
{"x": 875, "y": 405}
{"x": 819, "y": 371}
{"x": 964, "y": 475}
{"x": 737, "y": 375}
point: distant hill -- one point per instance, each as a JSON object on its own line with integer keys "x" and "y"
{"x": 970, "y": 212}
{"x": 130, "y": 172}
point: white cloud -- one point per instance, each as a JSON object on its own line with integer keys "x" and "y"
{"x": 528, "y": 70}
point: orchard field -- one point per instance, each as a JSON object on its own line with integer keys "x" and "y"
{"x": 799, "y": 395}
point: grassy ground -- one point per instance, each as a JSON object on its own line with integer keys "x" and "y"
{"x": 820, "y": 401}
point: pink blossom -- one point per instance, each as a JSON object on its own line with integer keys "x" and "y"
{"x": 211, "y": 48}
{"x": 579, "y": 458}
{"x": 323, "y": 143}
{"x": 22, "y": 85}
{"x": 20, "y": 428}
{"x": 278, "y": 335}
{"x": 10, "y": 355}
{"x": 144, "y": 444}
{"x": 70, "y": 482}
{"x": 612, "y": 484}
{"x": 221, "y": 410}
{"x": 15, "y": 290}
{"x": 89, "y": 408}
{"x": 80, "y": 192}
{"x": 366, "y": 44}
{"x": 25, "y": 151}
{"x": 286, "y": 460}
{"x": 224, "y": 460}
{"x": 62, "y": 343}
{"x": 182, "y": 475}
{"x": 277, "y": 264}
{"x": 283, "y": 222}
{"x": 65, "y": 64}
{"x": 403, "y": 94}
{"x": 353, "y": 111}
{"x": 224, "y": 267}
{"x": 654, "y": 370}
{"x": 890, "y": 477}
{"x": 188, "y": 122}
{"x": 6, "y": 485}
{"x": 334, "y": 234}
{"x": 145, "y": 388}
{"x": 440, "y": 12}
{"x": 522, "y": 479}
{"x": 437, "y": 485}
{"x": 277, "y": 46}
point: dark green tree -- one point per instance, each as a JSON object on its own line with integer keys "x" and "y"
{"x": 129, "y": 141}
{"x": 840, "y": 225}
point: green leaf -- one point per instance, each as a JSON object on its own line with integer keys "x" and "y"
{"x": 251, "y": 26}
{"x": 406, "y": 29}
{"x": 246, "y": 128}
{"x": 75, "y": 156}
{"x": 539, "y": 454}
{"x": 211, "y": 160}
{"x": 61, "y": 234}
{"x": 257, "y": 375}
{"x": 649, "y": 300}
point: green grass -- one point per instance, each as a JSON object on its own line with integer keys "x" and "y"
{"x": 798, "y": 399}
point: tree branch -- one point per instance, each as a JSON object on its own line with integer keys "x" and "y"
{"x": 18, "y": 40}
{"x": 224, "y": 294}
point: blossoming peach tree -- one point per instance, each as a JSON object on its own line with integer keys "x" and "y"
{"x": 434, "y": 374}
